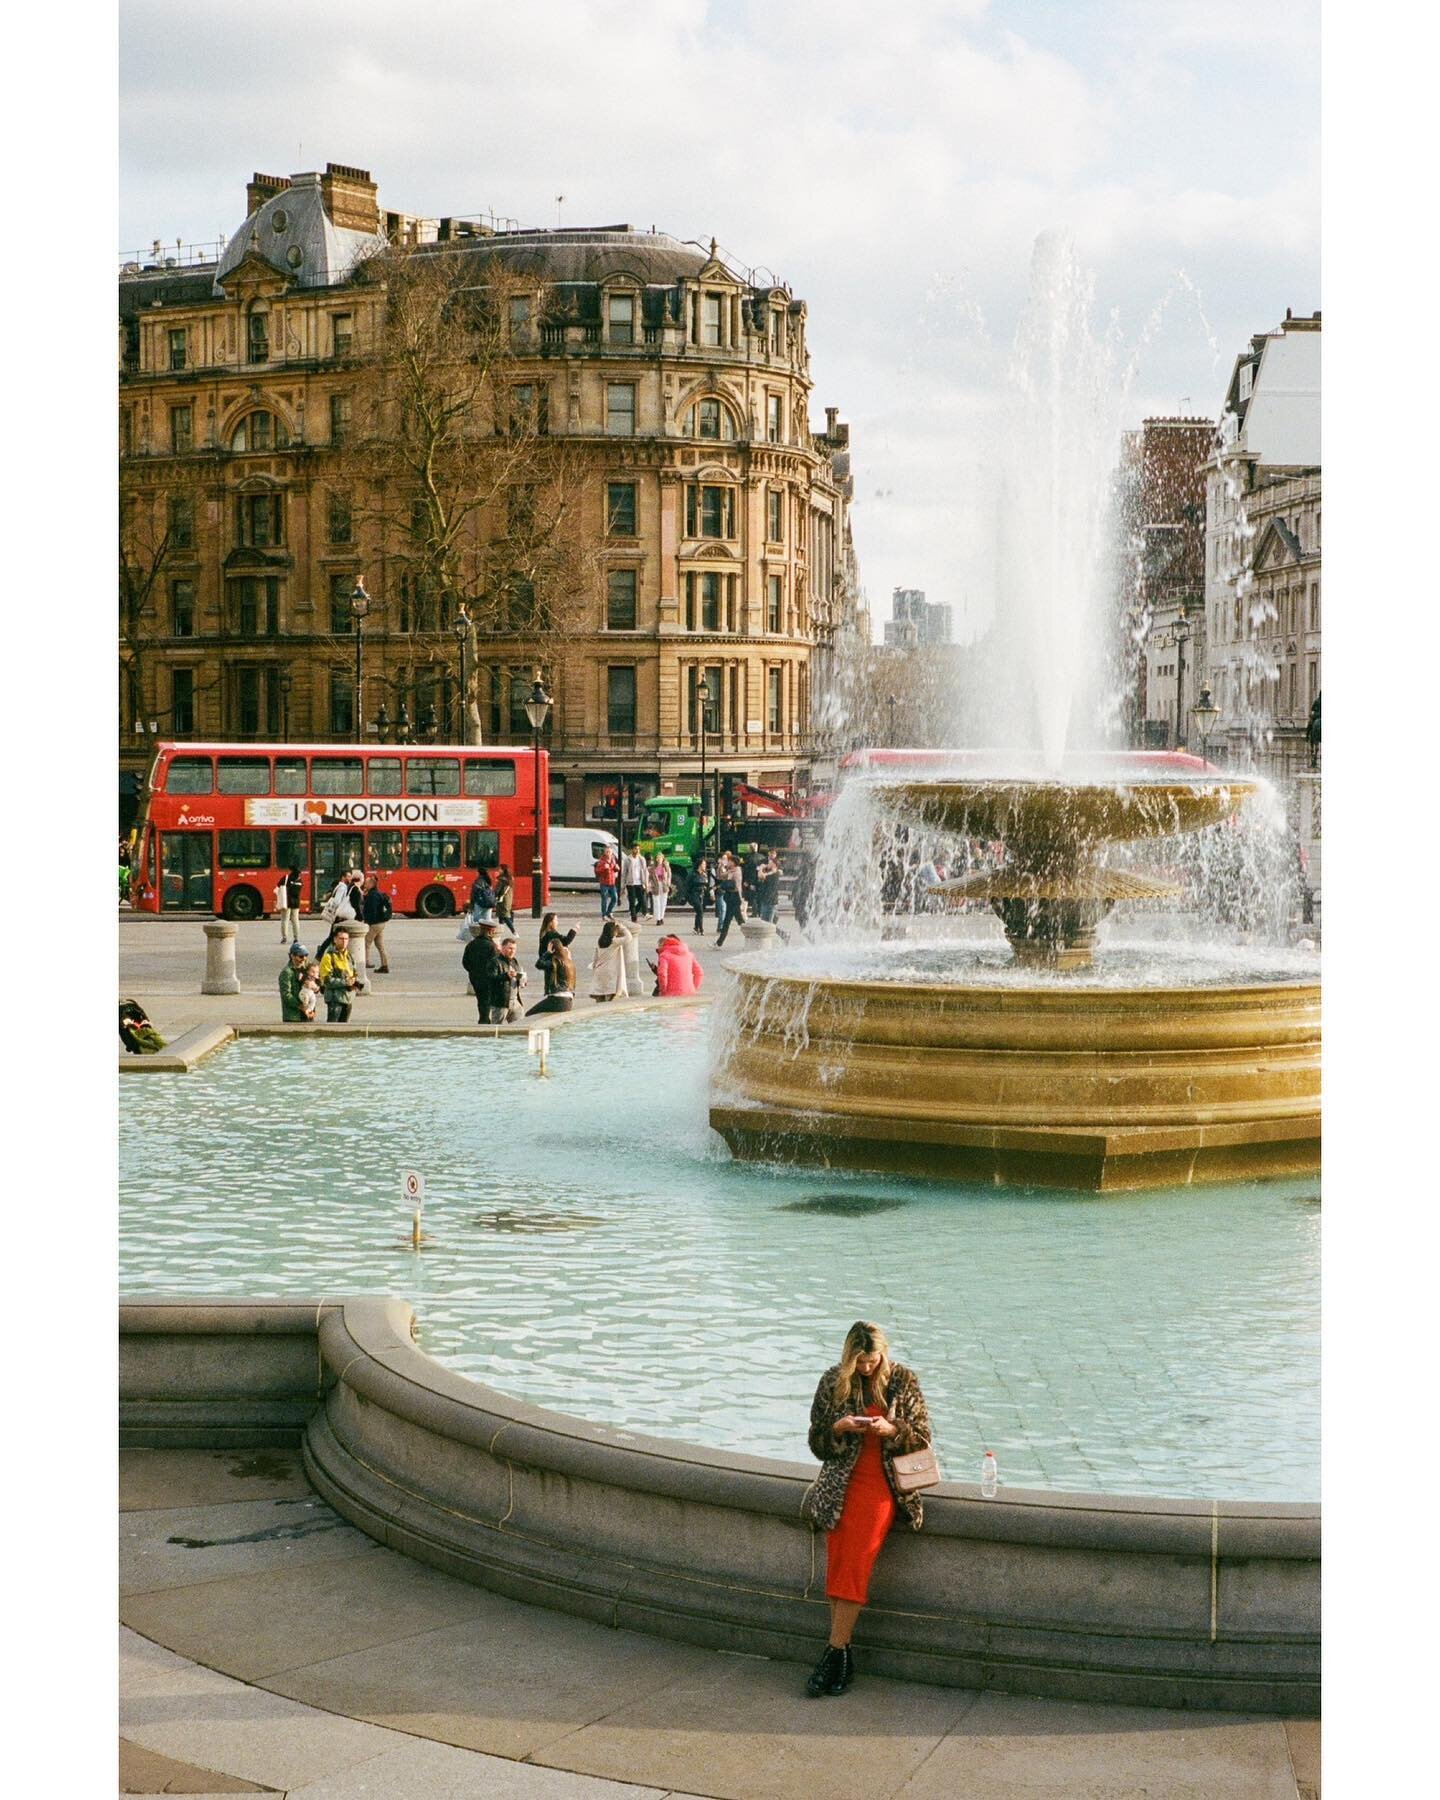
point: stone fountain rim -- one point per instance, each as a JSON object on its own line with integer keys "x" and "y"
{"x": 1009, "y": 990}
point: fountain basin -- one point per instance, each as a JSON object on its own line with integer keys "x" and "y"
{"x": 1105, "y": 1089}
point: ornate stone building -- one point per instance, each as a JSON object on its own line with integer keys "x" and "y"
{"x": 1163, "y": 507}
{"x": 718, "y": 519}
{"x": 1262, "y": 552}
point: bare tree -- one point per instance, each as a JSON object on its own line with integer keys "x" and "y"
{"x": 157, "y": 525}
{"x": 456, "y": 477}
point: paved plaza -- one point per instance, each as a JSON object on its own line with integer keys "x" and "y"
{"x": 268, "y": 1647}
{"x": 162, "y": 961}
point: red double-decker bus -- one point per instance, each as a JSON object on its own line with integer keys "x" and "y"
{"x": 221, "y": 823}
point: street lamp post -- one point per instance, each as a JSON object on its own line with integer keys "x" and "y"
{"x": 537, "y": 710}
{"x": 1205, "y": 712}
{"x": 462, "y": 633}
{"x": 702, "y": 696}
{"x": 1180, "y": 633}
{"x": 359, "y": 606}
{"x": 890, "y": 702}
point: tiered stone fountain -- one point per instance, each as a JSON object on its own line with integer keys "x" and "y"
{"x": 1067, "y": 1081}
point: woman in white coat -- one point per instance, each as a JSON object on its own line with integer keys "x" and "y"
{"x": 608, "y": 963}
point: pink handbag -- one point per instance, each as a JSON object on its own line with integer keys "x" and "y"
{"x": 914, "y": 1471}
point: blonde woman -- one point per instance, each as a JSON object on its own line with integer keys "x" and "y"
{"x": 866, "y": 1411}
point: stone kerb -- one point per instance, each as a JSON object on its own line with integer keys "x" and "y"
{"x": 1174, "y": 1603}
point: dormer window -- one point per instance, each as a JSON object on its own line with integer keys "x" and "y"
{"x": 777, "y": 331}
{"x": 519, "y": 316}
{"x": 620, "y": 316}
{"x": 260, "y": 431}
{"x": 710, "y": 419}
{"x": 710, "y": 318}
{"x": 259, "y": 337}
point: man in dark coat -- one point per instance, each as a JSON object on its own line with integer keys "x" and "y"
{"x": 482, "y": 964}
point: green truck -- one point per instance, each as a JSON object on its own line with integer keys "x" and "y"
{"x": 676, "y": 824}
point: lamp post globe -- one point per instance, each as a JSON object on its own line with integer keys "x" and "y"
{"x": 1205, "y": 712}
{"x": 537, "y": 710}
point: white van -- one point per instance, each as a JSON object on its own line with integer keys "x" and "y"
{"x": 574, "y": 852}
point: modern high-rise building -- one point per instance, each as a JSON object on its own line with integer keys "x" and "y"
{"x": 715, "y": 521}
{"x": 915, "y": 622}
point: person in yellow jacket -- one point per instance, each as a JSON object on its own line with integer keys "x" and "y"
{"x": 337, "y": 978}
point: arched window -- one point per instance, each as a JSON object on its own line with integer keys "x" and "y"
{"x": 260, "y": 431}
{"x": 710, "y": 418}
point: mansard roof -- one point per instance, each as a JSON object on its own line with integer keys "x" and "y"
{"x": 295, "y": 235}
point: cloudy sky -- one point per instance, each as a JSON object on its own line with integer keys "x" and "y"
{"x": 893, "y": 164}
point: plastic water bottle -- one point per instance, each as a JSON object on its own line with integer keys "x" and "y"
{"x": 989, "y": 1476}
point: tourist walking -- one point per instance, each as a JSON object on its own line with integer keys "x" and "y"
{"x": 866, "y": 1411}
{"x": 767, "y": 888}
{"x": 677, "y": 968}
{"x": 377, "y": 912}
{"x": 607, "y": 875}
{"x": 608, "y": 962}
{"x": 337, "y": 977}
{"x": 292, "y": 977}
{"x": 277, "y": 901}
{"x": 505, "y": 897}
{"x": 633, "y": 874}
{"x": 727, "y": 895}
{"x": 491, "y": 987}
{"x": 661, "y": 881}
{"x": 482, "y": 899}
{"x": 294, "y": 894}
{"x": 702, "y": 892}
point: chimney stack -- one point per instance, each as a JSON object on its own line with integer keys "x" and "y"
{"x": 260, "y": 188}
{"x": 349, "y": 198}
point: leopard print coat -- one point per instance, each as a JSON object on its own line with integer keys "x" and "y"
{"x": 825, "y": 1497}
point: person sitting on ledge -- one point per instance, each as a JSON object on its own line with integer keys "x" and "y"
{"x": 137, "y": 1034}
{"x": 866, "y": 1410}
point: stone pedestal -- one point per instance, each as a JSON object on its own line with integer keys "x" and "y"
{"x": 759, "y": 934}
{"x": 220, "y": 975}
{"x": 635, "y": 979}
{"x": 359, "y": 950}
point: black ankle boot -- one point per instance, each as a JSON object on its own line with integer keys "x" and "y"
{"x": 824, "y": 1673}
{"x": 843, "y": 1673}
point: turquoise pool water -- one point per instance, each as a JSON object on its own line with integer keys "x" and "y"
{"x": 592, "y": 1248}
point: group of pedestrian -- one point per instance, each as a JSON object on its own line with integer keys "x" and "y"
{"x": 355, "y": 898}
{"x": 731, "y": 885}
{"x": 498, "y": 979}
{"x": 648, "y": 881}
{"x": 330, "y": 976}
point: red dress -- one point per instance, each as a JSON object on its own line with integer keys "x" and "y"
{"x": 869, "y": 1512}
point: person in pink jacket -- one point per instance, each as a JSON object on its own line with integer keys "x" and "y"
{"x": 676, "y": 969}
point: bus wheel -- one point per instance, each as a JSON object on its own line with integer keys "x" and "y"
{"x": 436, "y": 903}
{"x": 242, "y": 903}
